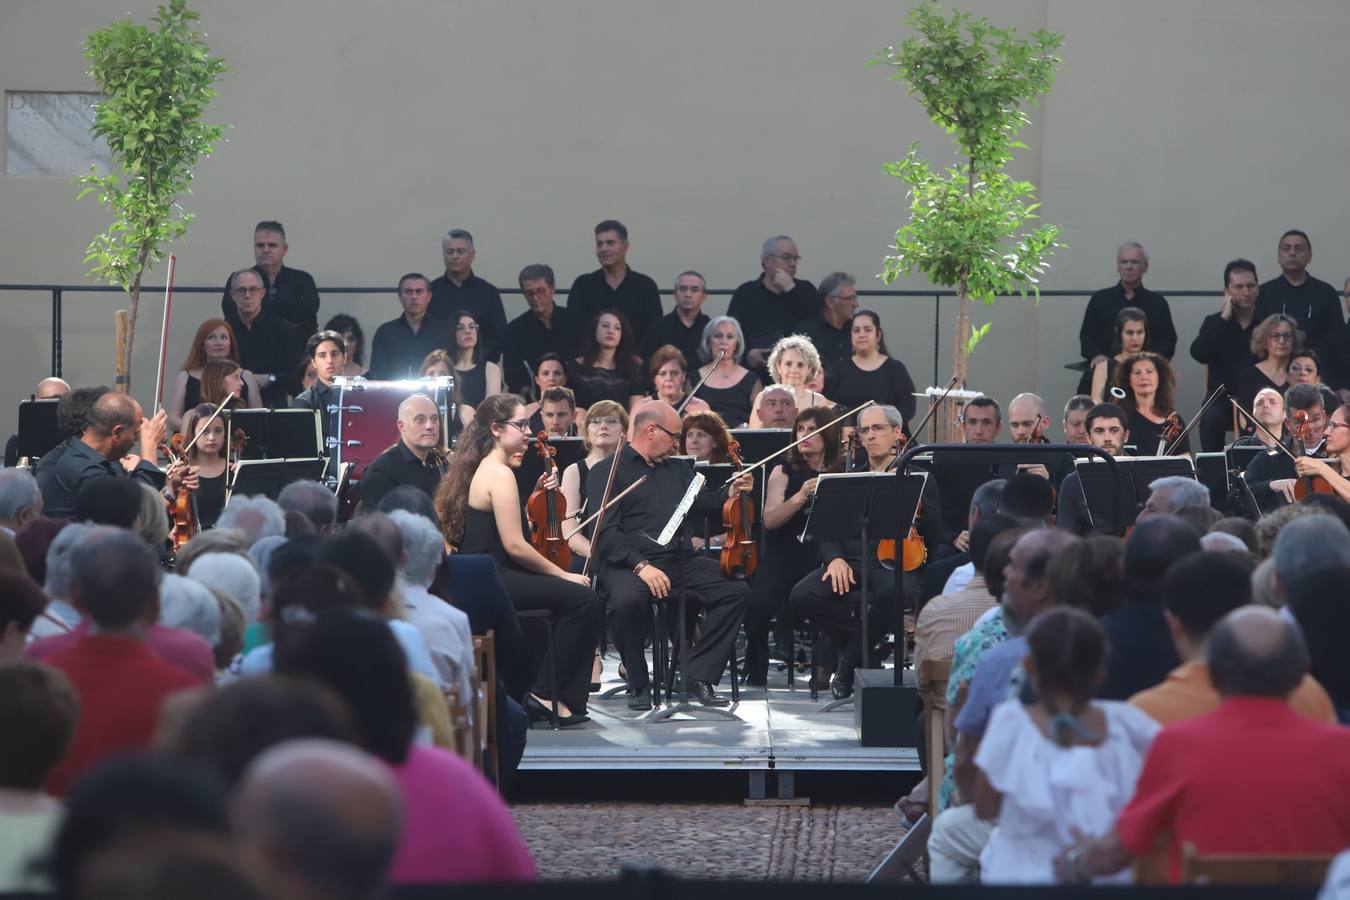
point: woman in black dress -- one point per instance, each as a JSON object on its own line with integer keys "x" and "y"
{"x": 1131, "y": 335}
{"x": 208, "y": 455}
{"x": 670, "y": 379}
{"x": 1275, "y": 340}
{"x": 608, "y": 367}
{"x": 730, "y": 389}
{"x": 786, "y": 560}
{"x": 214, "y": 340}
{"x": 871, "y": 374}
{"x": 1149, "y": 383}
{"x": 481, "y": 511}
{"x": 604, "y": 424}
{"x": 475, "y": 377}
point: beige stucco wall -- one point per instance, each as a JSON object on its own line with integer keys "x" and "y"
{"x": 1200, "y": 128}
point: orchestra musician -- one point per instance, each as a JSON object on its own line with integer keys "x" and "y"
{"x": 327, "y": 352}
{"x": 1131, "y": 334}
{"x": 786, "y": 560}
{"x": 670, "y": 372}
{"x": 1271, "y": 476}
{"x": 418, "y": 459}
{"x": 1149, "y": 383}
{"x": 1107, "y": 429}
{"x": 214, "y": 340}
{"x": 633, "y": 568}
{"x": 604, "y": 424}
{"x": 1337, "y": 464}
{"x": 557, "y": 413}
{"x": 775, "y": 407}
{"x": 207, "y": 455}
{"x": 481, "y": 511}
{"x": 706, "y": 438}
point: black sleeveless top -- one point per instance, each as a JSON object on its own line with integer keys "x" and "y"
{"x": 732, "y": 404}
{"x": 472, "y": 384}
{"x": 481, "y": 535}
{"x": 785, "y": 538}
{"x": 209, "y": 499}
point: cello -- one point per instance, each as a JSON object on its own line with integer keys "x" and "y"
{"x": 740, "y": 553}
{"x": 545, "y": 508}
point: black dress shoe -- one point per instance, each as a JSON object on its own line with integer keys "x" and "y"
{"x": 703, "y": 693}
{"x": 640, "y": 701}
{"x": 841, "y": 688}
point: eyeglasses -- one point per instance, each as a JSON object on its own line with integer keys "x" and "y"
{"x": 674, "y": 435}
{"x": 522, "y": 424}
{"x": 875, "y": 429}
{"x": 604, "y": 420}
{"x": 786, "y": 257}
{"x": 1338, "y": 425}
{"x": 1280, "y": 336}
{"x": 245, "y": 291}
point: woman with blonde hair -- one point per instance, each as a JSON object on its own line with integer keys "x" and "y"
{"x": 604, "y": 423}
{"x": 795, "y": 364}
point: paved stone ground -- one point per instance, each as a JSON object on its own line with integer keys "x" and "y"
{"x": 707, "y": 840}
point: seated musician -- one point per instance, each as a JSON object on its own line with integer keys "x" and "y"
{"x": 1271, "y": 476}
{"x": 1131, "y": 336}
{"x": 418, "y": 459}
{"x": 633, "y": 568}
{"x": 481, "y": 511}
{"x": 214, "y": 340}
{"x": 706, "y": 438}
{"x": 1336, "y": 466}
{"x": 1149, "y": 383}
{"x": 604, "y": 424}
{"x": 775, "y": 407}
{"x": 208, "y": 456}
{"x": 557, "y": 413}
{"x": 1107, "y": 429}
{"x": 827, "y": 596}
{"x": 1029, "y": 423}
{"x": 670, "y": 374}
{"x": 786, "y": 560}
{"x": 47, "y": 389}
{"x": 327, "y": 352}
{"x": 981, "y": 420}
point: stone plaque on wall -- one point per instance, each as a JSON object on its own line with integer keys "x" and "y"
{"x": 47, "y": 133}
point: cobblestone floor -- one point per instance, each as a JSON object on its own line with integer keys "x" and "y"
{"x": 721, "y": 840}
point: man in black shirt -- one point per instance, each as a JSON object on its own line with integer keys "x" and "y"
{"x": 460, "y": 289}
{"x": 1097, "y": 334}
{"x": 634, "y": 568}
{"x": 830, "y": 331}
{"x": 292, "y": 295}
{"x": 1224, "y": 346}
{"x": 1335, "y": 355}
{"x": 400, "y": 345}
{"x": 413, "y": 460}
{"x": 1313, "y": 304}
{"x": 683, "y": 327}
{"x": 264, "y": 342}
{"x": 1107, "y": 429}
{"x": 1271, "y": 476}
{"x": 112, "y": 427}
{"x": 544, "y": 328}
{"x": 773, "y": 304}
{"x": 614, "y": 285}
{"x": 327, "y": 352}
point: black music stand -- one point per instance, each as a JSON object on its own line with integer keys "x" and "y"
{"x": 278, "y": 433}
{"x": 37, "y": 428}
{"x": 757, "y": 443}
{"x": 269, "y": 476}
{"x": 1211, "y": 470}
{"x": 1125, "y": 496}
{"x": 862, "y": 506}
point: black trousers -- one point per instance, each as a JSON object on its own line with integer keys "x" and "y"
{"x": 1214, "y": 424}
{"x": 575, "y": 635}
{"x": 778, "y": 571}
{"x": 721, "y": 599}
{"x": 836, "y": 615}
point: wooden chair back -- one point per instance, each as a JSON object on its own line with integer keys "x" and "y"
{"x": 485, "y": 694}
{"x": 932, "y": 680}
{"x": 1252, "y": 868}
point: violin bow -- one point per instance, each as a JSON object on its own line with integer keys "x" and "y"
{"x": 164, "y": 335}
{"x": 612, "y": 500}
{"x": 806, "y": 437}
{"x": 604, "y": 503}
{"x": 721, "y": 354}
{"x": 202, "y": 427}
{"x": 951, "y": 385}
{"x": 1200, "y": 412}
{"x": 1264, "y": 430}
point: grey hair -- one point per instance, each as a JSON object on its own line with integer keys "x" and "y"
{"x": 775, "y": 388}
{"x": 57, "y": 584}
{"x": 705, "y": 354}
{"x": 1078, "y": 401}
{"x": 987, "y": 498}
{"x": 535, "y": 271}
{"x": 18, "y": 491}
{"x": 236, "y": 577}
{"x": 152, "y": 522}
{"x": 1309, "y": 544}
{"x": 768, "y": 248}
{"x": 249, "y": 271}
{"x": 423, "y": 547}
{"x": 257, "y": 517}
{"x": 1185, "y": 492}
{"x": 189, "y": 605}
{"x": 1132, "y": 245}
{"x": 457, "y": 234}
{"x": 892, "y": 415}
{"x": 699, "y": 275}
{"x": 1265, "y": 592}
{"x": 803, "y": 345}
{"x": 312, "y": 500}
{"x": 832, "y": 282}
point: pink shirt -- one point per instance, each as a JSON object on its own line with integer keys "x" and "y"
{"x": 455, "y": 826}
{"x": 182, "y": 648}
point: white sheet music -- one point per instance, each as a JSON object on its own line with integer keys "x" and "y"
{"x": 681, "y": 510}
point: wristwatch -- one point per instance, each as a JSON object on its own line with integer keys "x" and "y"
{"x": 637, "y": 570}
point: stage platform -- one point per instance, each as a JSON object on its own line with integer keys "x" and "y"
{"x": 777, "y": 730}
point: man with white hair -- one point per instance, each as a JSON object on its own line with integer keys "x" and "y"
{"x": 236, "y": 577}
{"x": 411, "y": 460}
{"x": 187, "y": 604}
{"x": 1169, "y": 496}
{"x": 20, "y": 499}
{"x": 445, "y": 629}
{"x": 1309, "y": 544}
{"x": 1097, "y": 333}
{"x": 257, "y": 517}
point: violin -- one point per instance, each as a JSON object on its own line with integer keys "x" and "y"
{"x": 740, "y": 553}
{"x": 183, "y": 510}
{"x": 545, "y": 509}
{"x": 1038, "y": 430}
{"x": 1171, "y": 432}
{"x": 1301, "y": 434}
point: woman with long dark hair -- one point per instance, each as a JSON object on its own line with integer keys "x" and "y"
{"x": 608, "y": 367}
{"x": 351, "y": 332}
{"x": 475, "y": 377}
{"x": 1131, "y": 334}
{"x": 208, "y": 455}
{"x": 480, "y": 511}
{"x": 870, "y": 373}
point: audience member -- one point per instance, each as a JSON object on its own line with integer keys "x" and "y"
{"x": 291, "y": 295}
{"x": 256, "y": 517}
{"x": 354, "y": 341}
{"x": 952, "y": 573}
{"x": 1317, "y": 600}
{"x": 56, "y": 565}
{"x": 1094, "y": 337}
{"x": 681, "y": 328}
{"x": 236, "y": 576}
{"x": 830, "y": 330}
{"x": 205, "y": 867}
{"x": 21, "y": 602}
{"x": 1089, "y": 575}
{"x": 1169, "y": 496}
{"x": 544, "y": 328}
{"x": 1224, "y": 347}
{"x": 152, "y": 518}
{"x": 1313, "y": 304}
{"x": 109, "y": 501}
{"x": 615, "y": 286}
{"x": 1240, "y": 528}
{"x": 266, "y": 345}
{"x": 217, "y": 540}
{"x": 34, "y": 539}
{"x": 312, "y": 500}
{"x": 20, "y": 500}
{"x": 773, "y": 303}
{"x": 460, "y": 289}
{"x": 400, "y": 345}
{"x": 1308, "y": 544}
{"x": 188, "y": 605}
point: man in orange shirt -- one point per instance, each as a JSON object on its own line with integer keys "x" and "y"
{"x": 1198, "y": 591}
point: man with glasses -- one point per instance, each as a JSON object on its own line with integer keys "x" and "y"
{"x": 775, "y": 303}
{"x": 291, "y": 294}
{"x": 633, "y": 567}
{"x": 829, "y": 330}
{"x": 615, "y": 285}
{"x": 1309, "y": 301}
{"x": 263, "y": 341}
{"x": 413, "y": 460}
{"x": 1224, "y": 347}
{"x": 460, "y": 289}
{"x": 400, "y": 345}
{"x": 683, "y": 327}
{"x": 543, "y": 328}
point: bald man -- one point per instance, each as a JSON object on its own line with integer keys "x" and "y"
{"x": 47, "y": 389}
{"x": 417, "y": 459}
{"x": 320, "y": 819}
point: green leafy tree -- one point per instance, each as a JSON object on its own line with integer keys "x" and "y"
{"x": 970, "y": 223}
{"x": 158, "y": 84}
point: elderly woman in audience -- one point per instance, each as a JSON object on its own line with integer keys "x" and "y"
{"x": 152, "y": 522}
{"x": 355, "y": 337}
{"x": 609, "y": 367}
{"x": 1274, "y": 342}
{"x": 1131, "y": 334}
{"x": 670, "y": 379}
{"x": 57, "y": 584}
{"x": 189, "y": 605}
{"x": 214, "y": 341}
{"x": 236, "y": 577}
{"x": 730, "y": 388}
{"x": 871, "y": 374}
{"x": 217, "y": 540}
{"x": 705, "y": 437}
{"x": 20, "y": 500}
{"x": 1063, "y": 766}
{"x": 795, "y": 365}
{"x": 1149, "y": 383}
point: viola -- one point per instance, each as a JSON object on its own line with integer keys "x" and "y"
{"x": 740, "y": 553}
{"x": 545, "y": 509}
{"x": 913, "y": 551}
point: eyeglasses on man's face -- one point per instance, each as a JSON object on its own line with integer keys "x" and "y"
{"x": 246, "y": 291}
